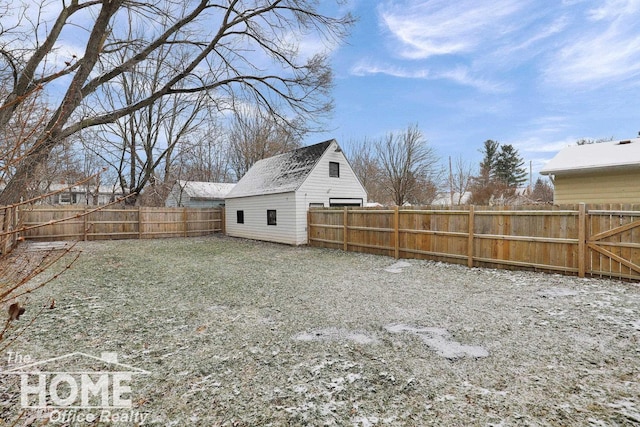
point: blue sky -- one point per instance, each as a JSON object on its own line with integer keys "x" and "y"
{"x": 538, "y": 74}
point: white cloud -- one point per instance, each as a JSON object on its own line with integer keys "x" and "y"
{"x": 364, "y": 68}
{"x": 442, "y": 27}
{"x": 459, "y": 75}
{"x": 608, "y": 50}
{"x": 613, "y": 9}
{"x": 462, "y": 76}
{"x": 537, "y": 144}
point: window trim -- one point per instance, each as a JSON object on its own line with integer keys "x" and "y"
{"x": 272, "y": 217}
{"x": 335, "y": 174}
{"x": 240, "y": 216}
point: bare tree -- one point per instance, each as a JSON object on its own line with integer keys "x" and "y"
{"x": 255, "y": 136}
{"x": 241, "y": 49}
{"x": 410, "y": 167}
{"x": 542, "y": 191}
{"x": 364, "y": 160}
{"x": 460, "y": 179}
{"x": 205, "y": 159}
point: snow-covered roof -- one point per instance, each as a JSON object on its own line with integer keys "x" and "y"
{"x": 444, "y": 199}
{"x": 102, "y": 189}
{"x": 205, "y": 190}
{"x": 591, "y": 157}
{"x": 280, "y": 174}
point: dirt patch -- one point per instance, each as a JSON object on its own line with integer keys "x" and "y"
{"x": 242, "y": 333}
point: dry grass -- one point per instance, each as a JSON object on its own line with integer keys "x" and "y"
{"x": 242, "y": 333}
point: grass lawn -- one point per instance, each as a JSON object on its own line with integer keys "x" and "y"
{"x": 242, "y": 333}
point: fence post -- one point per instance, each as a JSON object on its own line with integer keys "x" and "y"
{"x": 470, "y": 238}
{"x": 223, "y": 221}
{"x": 85, "y": 224}
{"x": 308, "y": 227}
{"x": 582, "y": 239}
{"x": 396, "y": 231}
{"x": 8, "y": 226}
{"x": 184, "y": 222}
{"x": 345, "y": 230}
{"x": 4, "y": 241}
{"x": 140, "y": 225}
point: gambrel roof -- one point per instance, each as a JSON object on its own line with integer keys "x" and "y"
{"x": 205, "y": 190}
{"x": 280, "y": 174}
{"x": 609, "y": 155}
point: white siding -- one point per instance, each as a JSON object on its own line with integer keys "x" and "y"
{"x": 319, "y": 187}
{"x": 292, "y": 207}
{"x": 174, "y": 197}
{"x": 255, "y": 218}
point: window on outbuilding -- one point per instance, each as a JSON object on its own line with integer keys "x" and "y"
{"x": 271, "y": 217}
{"x": 334, "y": 169}
{"x": 240, "y": 217}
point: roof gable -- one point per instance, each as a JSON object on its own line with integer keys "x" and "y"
{"x": 280, "y": 174}
{"x": 592, "y": 157}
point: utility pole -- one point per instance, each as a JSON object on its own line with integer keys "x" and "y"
{"x": 450, "y": 182}
{"x": 530, "y": 176}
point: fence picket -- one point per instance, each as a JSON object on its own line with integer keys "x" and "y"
{"x": 553, "y": 240}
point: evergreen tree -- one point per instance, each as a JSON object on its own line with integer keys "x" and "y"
{"x": 488, "y": 164}
{"x": 508, "y": 167}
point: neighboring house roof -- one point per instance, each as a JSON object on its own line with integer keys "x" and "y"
{"x": 444, "y": 199}
{"x": 280, "y": 174}
{"x": 205, "y": 190}
{"x": 592, "y": 157}
{"x": 102, "y": 189}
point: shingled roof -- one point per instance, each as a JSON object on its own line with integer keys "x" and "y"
{"x": 280, "y": 174}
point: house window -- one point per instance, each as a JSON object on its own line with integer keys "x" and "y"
{"x": 240, "y": 217}
{"x": 334, "y": 169}
{"x": 65, "y": 198}
{"x": 271, "y": 217}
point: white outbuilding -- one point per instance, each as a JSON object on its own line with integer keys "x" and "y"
{"x": 271, "y": 200}
{"x": 197, "y": 194}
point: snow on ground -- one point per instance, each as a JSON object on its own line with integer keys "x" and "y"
{"x": 242, "y": 333}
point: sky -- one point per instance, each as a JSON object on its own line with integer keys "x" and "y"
{"x": 537, "y": 74}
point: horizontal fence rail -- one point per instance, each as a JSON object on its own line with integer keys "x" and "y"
{"x": 46, "y": 223}
{"x": 576, "y": 240}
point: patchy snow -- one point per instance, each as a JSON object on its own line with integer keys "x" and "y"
{"x": 557, "y": 293}
{"x": 610, "y": 154}
{"x": 335, "y": 334}
{"x": 440, "y": 340}
{"x": 397, "y": 267}
{"x": 242, "y": 333}
{"x": 205, "y": 190}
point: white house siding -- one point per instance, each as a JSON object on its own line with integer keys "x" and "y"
{"x": 319, "y": 187}
{"x": 289, "y": 183}
{"x": 255, "y": 218}
{"x": 174, "y": 197}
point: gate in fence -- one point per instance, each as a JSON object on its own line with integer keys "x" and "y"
{"x": 613, "y": 243}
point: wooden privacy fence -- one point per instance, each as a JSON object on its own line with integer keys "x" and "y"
{"x": 576, "y": 240}
{"x": 8, "y": 223}
{"x": 118, "y": 223}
